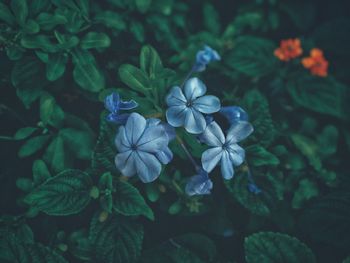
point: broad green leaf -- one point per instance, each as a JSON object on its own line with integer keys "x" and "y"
{"x": 40, "y": 172}
{"x": 269, "y": 247}
{"x": 39, "y": 6}
{"x": 111, "y": 19}
{"x": 66, "y": 42}
{"x": 50, "y": 112}
{"x": 95, "y": 40}
{"x": 134, "y": 78}
{"x": 116, "y": 240}
{"x": 12, "y": 249}
{"x": 14, "y": 52}
{"x": 327, "y": 219}
{"x": 42, "y": 254}
{"x": 48, "y": 21}
{"x": 105, "y": 184}
{"x": 211, "y": 18}
{"x": 31, "y": 27}
{"x": 252, "y": 56}
{"x": 56, "y": 156}
{"x": 56, "y": 66}
{"x": 6, "y": 15}
{"x": 39, "y": 42}
{"x": 86, "y": 73}
{"x": 64, "y": 194}
{"x": 347, "y": 260}
{"x": 20, "y": 9}
{"x": 33, "y": 145}
{"x": 150, "y": 62}
{"x": 259, "y": 156}
{"x": 80, "y": 142}
{"x": 128, "y": 201}
{"x": 24, "y": 133}
{"x": 322, "y": 95}
{"x": 328, "y": 141}
{"x": 307, "y": 189}
{"x": 143, "y": 5}
{"x": 137, "y": 29}
{"x": 84, "y": 6}
{"x": 25, "y": 184}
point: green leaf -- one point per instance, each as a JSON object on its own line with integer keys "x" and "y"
{"x": 20, "y": 9}
{"x": 322, "y": 95}
{"x": 116, "y": 240}
{"x": 33, "y": 145}
{"x": 40, "y": 172}
{"x": 111, "y": 19}
{"x": 39, "y": 42}
{"x": 307, "y": 189}
{"x": 327, "y": 220}
{"x": 328, "y": 141}
{"x": 64, "y": 194}
{"x": 137, "y": 29}
{"x": 269, "y": 247}
{"x": 84, "y": 6}
{"x": 39, "y": 6}
{"x": 347, "y": 260}
{"x": 6, "y": 15}
{"x": 56, "y": 156}
{"x": 42, "y": 254}
{"x": 24, "y": 133}
{"x": 105, "y": 184}
{"x": 31, "y": 27}
{"x": 211, "y": 18}
{"x": 86, "y": 73}
{"x": 56, "y": 66}
{"x": 134, "y": 78}
{"x": 259, "y": 156}
{"x": 50, "y": 112}
{"x": 143, "y": 5}
{"x": 128, "y": 201}
{"x": 150, "y": 62}
{"x": 302, "y": 14}
{"x": 252, "y": 56}
{"x": 48, "y": 21}
{"x": 14, "y": 52}
{"x": 95, "y": 40}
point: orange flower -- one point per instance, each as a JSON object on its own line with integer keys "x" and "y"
{"x": 289, "y": 48}
{"x": 316, "y": 63}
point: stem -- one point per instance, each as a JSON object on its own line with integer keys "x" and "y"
{"x": 183, "y": 146}
{"x": 187, "y": 77}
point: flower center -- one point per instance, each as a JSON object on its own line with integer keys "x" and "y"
{"x": 133, "y": 147}
{"x": 189, "y": 104}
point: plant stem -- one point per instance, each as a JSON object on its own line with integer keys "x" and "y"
{"x": 183, "y": 146}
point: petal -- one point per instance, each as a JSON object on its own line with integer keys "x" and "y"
{"x": 112, "y": 102}
{"x": 213, "y": 135}
{"x": 121, "y": 141}
{"x": 234, "y": 114}
{"x": 237, "y": 154}
{"x": 194, "y": 88}
{"x": 152, "y": 122}
{"x": 199, "y": 185}
{"x": 194, "y": 122}
{"x": 175, "y": 97}
{"x": 210, "y": 158}
{"x": 226, "y": 166}
{"x": 207, "y": 104}
{"x": 165, "y": 156}
{"x": 169, "y": 130}
{"x": 128, "y": 105}
{"x": 148, "y": 167}
{"x": 176, "y": 115}
{"x": 125, "y": 162}
{"x": 239, "y": 131}
{"x": 135, "y": 127}
{"x": 153, "y": 139}
{"x": 118, "y": 118}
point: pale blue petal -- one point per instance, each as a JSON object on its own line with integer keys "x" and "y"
{"x": 175, "y": 97}
{"x": 233, "y": 114}
{"x": 153, "y": 122}
{"x": 112, "y": 102}
{"x": 148, "y": 167}
{"x": 207, "y": 104}
{"x": 213, "y": 135}
{"x": 237, "y": 154}
{"x": 165, "y": 156}
{"x": 118, "y": 118}
{"x": 170, "y": 131}
{"x": 135, "y": 127}
{"x": 239, "y": 131}
{"x": 125, "y": 162}
{"x": 121, "y": 141}
{"x": 199, "y": 185}
{"x": 226, "y": 166}
{"x": 194, "y": 88}
{"x": 176, "y": 115}
{"x": 153, "y": 139}
{"x": 194, "y": 122}
{"x": 210, "y": 158}
{"x": 128, "y": 105}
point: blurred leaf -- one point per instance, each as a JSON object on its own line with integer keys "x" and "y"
{"x": 49, "y": 21}
{"x": 137, "y": 29}
{"x": 328, "y": 141}
{"x": 143, "y": 5}
{"x": 134, "y": 78}
{"x": 56, "y": 66}
{"x": 50, "y": 112}
{"x": 39, "y": 6}
{"x": 20, "y": 9}
{"x": 211, "y": 18}
{"x": 6, "y": 15}
{"x": 95, "y": 40}
{"x": 56, "y": 156}
{"x": 111, "y": 19}
{"x": 39, "y": 42}
{"x": 252, "y": 56}
{"x": 64, "y": 194}
{"x": 269, "y": 247}
{"x": 31, "y": 27}
{"x": 24, "y": 133}
{"x": 150, "y": 62}
{"x": 259, "y": 156}
{"x": 14, "y": 52}
{"x": 129, "y": 202}
{"x": 33, "y": 145}
{"x": 307, "y": 189}
{"x": 40, "y": 172}
{"x": 116, "y": 240}
{"x": 302, "y": 14}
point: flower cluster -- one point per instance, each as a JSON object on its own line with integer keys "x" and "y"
{"x": 291, "y": 49}
{"x": 143, "y": 144}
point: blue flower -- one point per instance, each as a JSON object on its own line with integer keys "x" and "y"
{"x": 204, "y": 57}
{"x": 143, "y": 147}
{"x": 114, "y": 105}
{"x": 224, "y": 150}
{"x": 186, "y": 107}
{"x": 253, "y": 188}
{"x": 234, "y": 114}
{"x": 199, "y": 184}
